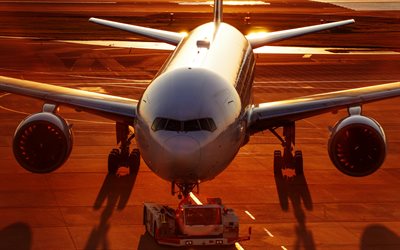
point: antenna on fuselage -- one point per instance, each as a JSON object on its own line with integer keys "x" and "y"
{"x": 218, "y": 11}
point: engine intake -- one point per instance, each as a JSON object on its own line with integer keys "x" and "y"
{"x": 42, "y": 142}
{"x": 357, "y": 146}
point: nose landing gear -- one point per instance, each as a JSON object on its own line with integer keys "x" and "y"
{"x": 184, "y": 189}
{"x": 288, "y": 160}
{"x": 121, "y": 157}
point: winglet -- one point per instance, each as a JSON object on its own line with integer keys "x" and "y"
{"x": 218, "y": 11}
{"x": 159, "y": 35}
{"x": 258, "y": 41}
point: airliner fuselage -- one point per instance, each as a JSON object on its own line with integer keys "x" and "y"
{"x": 197, "y": 112}
{"x": 190, "y": 121}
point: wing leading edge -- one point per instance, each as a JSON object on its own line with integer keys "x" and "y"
{"x": 259, "y": 41}
{"x": 276, "y": 114}
{"x": 111, "y": 107}
{"x": 169, "y": 37}
{"x": 174, "y": 38}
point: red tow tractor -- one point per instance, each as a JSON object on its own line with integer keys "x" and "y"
{"x": 193, "y": 223}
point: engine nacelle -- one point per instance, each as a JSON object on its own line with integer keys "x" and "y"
{"x": 42, "y": 142}
{"x": 357, "y": 146}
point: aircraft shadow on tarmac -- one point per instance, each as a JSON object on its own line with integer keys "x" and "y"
{"x": 379, "y": 237}
{"x": 115, "y": 191}
{"x": 16, "y": 236}
{"x": 294, "y": 190}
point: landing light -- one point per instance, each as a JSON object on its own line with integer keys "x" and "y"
{"x": 253, "y": 35}
{"x": 184, "y": 33}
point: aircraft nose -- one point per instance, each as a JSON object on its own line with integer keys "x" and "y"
{"x": 184, "y": 153}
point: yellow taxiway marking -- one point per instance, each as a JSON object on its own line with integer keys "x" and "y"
{"x": 268, "y": 232}
{"x": 250, "y": 215}
{"x": 195, "y": 199}
{"x": 238, "y": 246}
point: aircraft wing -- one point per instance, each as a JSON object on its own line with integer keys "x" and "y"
{"x": 275, "y": 114}
{"x": 123, "y": 44}
{"x": 108, "y": 106}
{"x": 169, "y": 37}
{"x": 267, "y": 38}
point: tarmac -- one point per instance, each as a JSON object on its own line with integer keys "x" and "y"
{"x": 80, "y": 207}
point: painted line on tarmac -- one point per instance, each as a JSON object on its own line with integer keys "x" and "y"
{"x": 268, "y": 232}
{"x": 195, "y": 199}
{"x": 238, "y": 246}
{"x": 250, "y": 215}
{"x": 14, "y": 111}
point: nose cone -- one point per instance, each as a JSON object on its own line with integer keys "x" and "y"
{"x": 183, "y": 154}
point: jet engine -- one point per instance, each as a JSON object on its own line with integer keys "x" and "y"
{"x": 42, "y": 142}
{"x": 357, "y": 145}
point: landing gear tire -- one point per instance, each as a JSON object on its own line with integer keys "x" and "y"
{"x": 298, "y": 163}
{"x": 134, "y": 161}
{"x": 278, "y": 163}
{"x": 113, "y": 161}
{"x": 288, "y": 160}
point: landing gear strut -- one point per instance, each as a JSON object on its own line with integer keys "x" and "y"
{"x": 122, "y": 156}
{"x": 287, "y": 160}
{"x": 184, "y": 189}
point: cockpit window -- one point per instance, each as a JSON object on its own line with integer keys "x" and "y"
{"x": 192, "y": 125}
{"x": 173, "y": 125}
{"x": 207, "y": 124}
{"x": 159, "y": 123}
{"x": 183, "y": 126}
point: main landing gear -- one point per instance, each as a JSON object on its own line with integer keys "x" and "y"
{"x": 288, "y": 160}
{"x": 122, "y": 157}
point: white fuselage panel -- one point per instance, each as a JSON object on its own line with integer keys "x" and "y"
{"x": 198, "y": 83}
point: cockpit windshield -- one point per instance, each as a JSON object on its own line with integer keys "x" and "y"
{"x": 206, "y": 124}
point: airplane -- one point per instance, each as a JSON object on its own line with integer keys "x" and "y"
{"x": 197, "y": 112}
